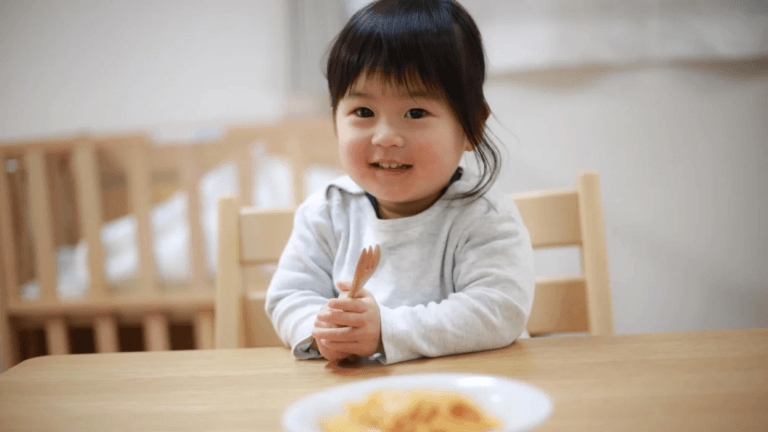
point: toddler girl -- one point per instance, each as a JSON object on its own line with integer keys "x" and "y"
{"x": 456, "y": 271}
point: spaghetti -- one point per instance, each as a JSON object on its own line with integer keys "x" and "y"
{"x": 411, "y": 411}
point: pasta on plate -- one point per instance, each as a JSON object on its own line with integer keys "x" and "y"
{"x": 411, "y": 411}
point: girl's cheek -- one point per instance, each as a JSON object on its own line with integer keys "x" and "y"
{"x": 352, "y": 154}
{"x": 356, "y": 148}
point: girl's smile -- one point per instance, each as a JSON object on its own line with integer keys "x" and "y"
{"x": 401, "y": 147}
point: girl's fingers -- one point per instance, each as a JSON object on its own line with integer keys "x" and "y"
{"x": 335, "y": 317}
{"x": 344, "y": 286}
{"x": 347, "y": 305}
{"x": 329, "y": 352}
{"x": 320, "y": 323}
{"x": 338, "y": 334}
{"x": 344, "y": 348}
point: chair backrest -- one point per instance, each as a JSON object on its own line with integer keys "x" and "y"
{"x": 573, "y": 217}
{"x": 303, "y": 142}
{"x": 248, "y": 237}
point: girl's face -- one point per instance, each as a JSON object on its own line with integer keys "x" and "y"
{"x": 401, "y": 148}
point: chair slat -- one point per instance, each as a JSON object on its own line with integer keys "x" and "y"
{"x": 7, "y": 240}
{"x": 85, "y": 168}
{"x": 56, "y": 336}
{"x": 227, "y": 315}
{"x": 203, "y": 330}
{"x": 191, "y": 175}
{"x": 55, "y": 186}
{"x": 42, "y": 227}
{"x": 185, "y": 302}
{"x": 105, "y": 334}
{"x": 9, "y": 285}
{"x": 20, "y": 207}
{"x": 139, "y": 190}
{"x": 559, "y": 307}
{"x": 267, "y": 234}
{"x": 594, "y": 257}
{"x": 156, "y": 334}
{"x": 9, "y": 288}
{"x": 552, "y": 217}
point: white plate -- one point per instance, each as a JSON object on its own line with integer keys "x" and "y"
{"x": 518, "y": 405}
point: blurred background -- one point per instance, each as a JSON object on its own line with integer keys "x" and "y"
{"x": 666, "y": 99}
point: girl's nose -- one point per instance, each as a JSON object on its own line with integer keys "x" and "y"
{"x": 385, "y": 135}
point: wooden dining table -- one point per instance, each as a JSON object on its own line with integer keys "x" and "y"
{"x": 704, "y": 380}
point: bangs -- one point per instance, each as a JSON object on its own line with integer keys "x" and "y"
{"x": 410, "y": 81}
{"x": 410, "y": 45}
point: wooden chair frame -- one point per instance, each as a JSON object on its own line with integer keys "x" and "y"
{"x": 573, "y": 217}
{"x": 140, "y": 174}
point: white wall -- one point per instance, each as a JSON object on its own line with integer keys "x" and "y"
{"x": 90, "y": 64}
{"x": 682, "y": 151}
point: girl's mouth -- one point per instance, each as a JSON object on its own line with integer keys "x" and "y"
{"x": 399, "y": 167}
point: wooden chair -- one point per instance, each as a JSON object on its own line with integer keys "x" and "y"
{"x": 149, "y": 304}
{"x": 249, "y": 237}
{"x": 95, "y": 179}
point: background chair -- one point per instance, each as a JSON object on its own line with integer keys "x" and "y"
{"x": 59, "y": 194}
{"x": 574, "y": 217}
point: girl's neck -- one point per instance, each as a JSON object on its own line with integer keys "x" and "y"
{"x": 401, "y": 210}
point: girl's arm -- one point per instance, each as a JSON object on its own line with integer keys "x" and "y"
{"x": 302, "y": 284}
{"x": 494, "y": 282}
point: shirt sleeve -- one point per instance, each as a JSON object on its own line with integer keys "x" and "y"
{"x": 303, "y": 282}
{"x": 494, "y": 282}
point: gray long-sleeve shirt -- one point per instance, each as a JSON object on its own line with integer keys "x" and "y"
{"x": 457, "y": 277}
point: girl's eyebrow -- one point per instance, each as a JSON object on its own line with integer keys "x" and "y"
{"x": 359, "y": 95}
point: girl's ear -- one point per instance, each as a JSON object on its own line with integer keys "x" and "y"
{"x": 467, "y": 145}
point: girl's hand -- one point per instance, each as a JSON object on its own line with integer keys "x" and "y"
{"x": 320, "y": 344}
{"x": 347, "y": 326}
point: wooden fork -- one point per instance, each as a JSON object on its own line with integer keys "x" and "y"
{"x": 366, "y": 265}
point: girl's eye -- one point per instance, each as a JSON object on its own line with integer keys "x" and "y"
{"x": 416, "y": 113}
{"x": 363, "y": 112}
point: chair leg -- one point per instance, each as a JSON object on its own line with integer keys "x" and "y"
{"x": 56, "y": 336}
{"x": 156, "y": 334}
{"x": 105, "y": 333}
{"x": 203, "y": 327}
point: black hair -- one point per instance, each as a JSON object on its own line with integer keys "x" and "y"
{"x": 432, "y": 43}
